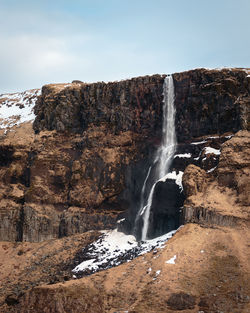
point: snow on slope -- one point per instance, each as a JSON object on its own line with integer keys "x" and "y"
{"x": 114, "y": 248}
{"x": 209, "y": 150}
{"x": 17, "y": 108}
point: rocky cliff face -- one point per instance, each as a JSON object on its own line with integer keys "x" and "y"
{"x": 211, "y": 102}
{"x": 94, "y": 143}
{"x": 207, "y": 102}
{"x": 220, "y": 197}
{"x": 127, "y": 105}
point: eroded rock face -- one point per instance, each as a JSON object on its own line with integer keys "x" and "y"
{"x": 127, "y": 105}
{"x": 94, "y": 144}
{"x": 60, "y": 185}
{"x": 211, "y": 102}
{"x": 194, "y": 180}
{"x": 222, "y": 197}
{"x": 207, "y": 102}
{"x": 234, "y": 166}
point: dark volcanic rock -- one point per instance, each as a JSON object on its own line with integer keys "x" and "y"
{"x": 207, "y": 217}
{"x": 168, "y": 198}
{"x": 207, "y": 102}
{"x": 127, "y": 105}
{"x": 211, "y": 102}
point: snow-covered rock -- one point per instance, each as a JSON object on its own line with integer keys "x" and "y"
{"x": 209, "y": 150}
{"x": 17, "y": 108}
{"x": 114, "y": 248}
{"x": 172, "y": 260}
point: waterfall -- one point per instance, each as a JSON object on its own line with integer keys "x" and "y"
{"x": 164, "y": 154}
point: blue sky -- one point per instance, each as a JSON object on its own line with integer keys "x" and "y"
{"x": 105, "y": 40}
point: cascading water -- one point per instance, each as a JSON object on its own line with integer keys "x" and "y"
{"x": 164, "y": 154}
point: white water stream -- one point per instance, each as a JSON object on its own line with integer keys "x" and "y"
{"x": 164, "y": 154}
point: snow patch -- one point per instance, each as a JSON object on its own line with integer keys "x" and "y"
{"x": 172, "y": 260}
{"x": 198, "y": 142}
{"x": 157, "y": 272}
{"x": 196, "y": 159}
{"x": 183, "y": 155}
{"x": 17, "y": 108}
{"x": 206, "y": 140}
{"x": 223, "y": 68}
{"x": 114, "y": 248}
{"x": 121, "y": 220}
{"x": 174, "y": 176}
{"x": 212, "y": 150}
{"x": 212, "y": 169}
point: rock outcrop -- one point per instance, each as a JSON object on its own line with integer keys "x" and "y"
{"x": 49, "y": 191}
{"x": 234, "y": 167}
{"x": 194, "y": 180}
{"x": 220, "y": 197}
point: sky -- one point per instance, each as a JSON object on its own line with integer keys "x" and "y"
{"x": 58, "y": 41}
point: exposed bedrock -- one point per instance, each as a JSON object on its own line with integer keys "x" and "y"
{"x": 208, "y": 217}
{"x": 234, "y": 167}
{"x": 134, "y": 104}
{"x": 64, "y": 184}
{"x": 222, "y": 196}
{"x": 94, "y": 143}
{"x": 211, "y": 102}
{"x": 207, "y": 102}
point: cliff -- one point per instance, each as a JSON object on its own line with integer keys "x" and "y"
{"x": 93, "y": 144}
{"x": 80, "y": 167}
{"x": 207, "y": 102}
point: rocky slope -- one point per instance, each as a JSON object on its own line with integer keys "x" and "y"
{"x": 81, "y": 166}
{"x": 200, "y": 269}
{"x": 25, "y": 265}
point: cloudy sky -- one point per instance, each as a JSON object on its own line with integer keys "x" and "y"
{"x": 45, "y": 41}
